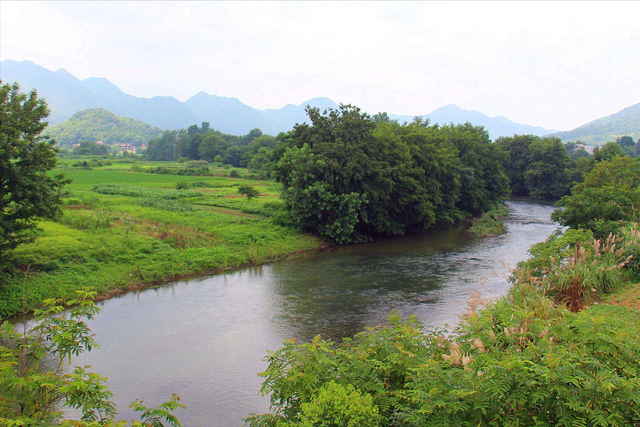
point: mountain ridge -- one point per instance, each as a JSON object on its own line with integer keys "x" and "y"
{"x": 67, "y": 95}
{"x": 625, "y": 122}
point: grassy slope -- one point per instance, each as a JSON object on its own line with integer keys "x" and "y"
{"x": 99, "y": 124}
{"x": 112, "y": 243}
{"x": 607, "y": 129}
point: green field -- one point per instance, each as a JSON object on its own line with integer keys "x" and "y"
{"x": 146, "y": 231}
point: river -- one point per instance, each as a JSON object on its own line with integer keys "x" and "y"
{"x": 205, "y": 339}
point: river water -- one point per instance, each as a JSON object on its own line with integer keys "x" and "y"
{"x": 205, "y": 339}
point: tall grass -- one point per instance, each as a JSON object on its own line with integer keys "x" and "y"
{"x": 121, "y": 235}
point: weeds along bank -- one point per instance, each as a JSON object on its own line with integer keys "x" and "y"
{"x": 550, "y": 352}
{"x": 119, "y": 229}
{"x": 562, "y": 348}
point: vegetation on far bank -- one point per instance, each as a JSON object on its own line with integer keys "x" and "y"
{"x": 545, "y": 354}
{"x": 490, "y": 223}
{"x": 548, "y": 353}
{"x": 119, "y": 229}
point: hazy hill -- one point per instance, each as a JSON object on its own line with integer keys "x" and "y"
{"x": 229, "y": 115}
{"x": 496, "y": 126}
{"x": 606, "y": 129}
{"x": 65, "y": 94}
{"x": 68, "y": 95}
{"x": 162, "y": 111}
{"x": 286, "y": 117}
{"x": 100, "y": 125}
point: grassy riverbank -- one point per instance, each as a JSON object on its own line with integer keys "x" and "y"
{"x": 490, "y": 223}
{"x": 561, "y": 348}
{"x": 120, "y": 229}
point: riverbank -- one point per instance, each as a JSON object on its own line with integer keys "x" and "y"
{"x": 490, "y": 223}
{"x": 122, "y": 230}
{"x": 561, "y": 347}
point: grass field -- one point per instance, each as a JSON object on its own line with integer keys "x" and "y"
{"x": 120, "y": 229}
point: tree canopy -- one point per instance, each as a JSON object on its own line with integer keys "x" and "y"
{"x": 608, "y": 198}
{"x": 349, "y": 177}
{"x": 538, "y": 167}
{"x": 26, "y": 190}
{"x": 98, "y": 124}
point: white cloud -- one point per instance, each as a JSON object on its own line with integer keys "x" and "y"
{"x": 549, "y": 64}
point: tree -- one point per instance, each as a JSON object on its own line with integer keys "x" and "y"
{"x": 163, "y": 148}
{"x": 35, "y": 385}
{"x": 546, "y": 174}
{"x": 607, "y": 152}
{"x": 249, "y": 191}
{"x": 90, "y": 148}
{"x": 26, "y": 190}
{"x": 349, "y": 178}
{"x": 608, "y": 198}
{"x": 537, "y": 167}
{"x": 625, "y": 141}
{"x": 211, "y": 146}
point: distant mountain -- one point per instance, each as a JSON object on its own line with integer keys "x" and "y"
{"x": 67, "y": 95}
{"x": 287, "y": 117}
{"x": 229, "y": 115}
{"x": 64, "y": 93}
{"x": 496, "y": 126}
{"x": 99, "y": 124}
{"x": 607, "y": 129}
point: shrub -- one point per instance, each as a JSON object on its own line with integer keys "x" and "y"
{"x": 247, "y": 190}
{"x": 182, "y": 185}
{"x": 134, "y": 191}
{"x": 522, "y": 361}
{"x": 234, "y": 173}
{"x": 36, "y": 385}
{"x": 167, "y": 205}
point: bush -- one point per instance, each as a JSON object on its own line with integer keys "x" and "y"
{"x": 521, "y": 361}
{"x": 167, "y": 205}
{"x": 249, "y": 191}
{"x": 182, "y": 185}
{"x": 134, "y": 191}
{"x": 234, "y": 174}
{"x": 592, "y": 270}
{"x": 36, "y": 385}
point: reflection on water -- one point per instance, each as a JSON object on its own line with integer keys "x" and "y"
{"x": 205, "y": 339}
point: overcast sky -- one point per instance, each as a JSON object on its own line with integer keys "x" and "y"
{"x": 556, "y": 65}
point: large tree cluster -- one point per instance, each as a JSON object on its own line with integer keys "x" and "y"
{"x": 204, "y": 143}
{"x": 349, "y": 177}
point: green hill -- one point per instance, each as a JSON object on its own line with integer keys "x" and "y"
{"x": 98, "y": 124}
{"x": 606, "y": 129}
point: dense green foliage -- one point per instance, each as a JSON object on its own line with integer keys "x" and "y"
{"x": 35, "y": 385}
{"x": 540, "y": 168}
{"x": 522, "y": 361}
{"x": 536, "y": 357}
{"x": 348, "y": 178}
{"x": 204, "y": 143}
{"x": 608, "y": 198}
{"x": 90, "y": 148}
{"x": 98, "y": 124}
{"x": 120, "y": 229}
{"x": 490, "y": 223}
{"x": 26, "y": 190}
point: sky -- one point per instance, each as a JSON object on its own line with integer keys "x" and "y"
{"x": 552, "y": 64}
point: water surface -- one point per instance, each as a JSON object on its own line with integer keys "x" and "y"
{"x": 205, "y": 339}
